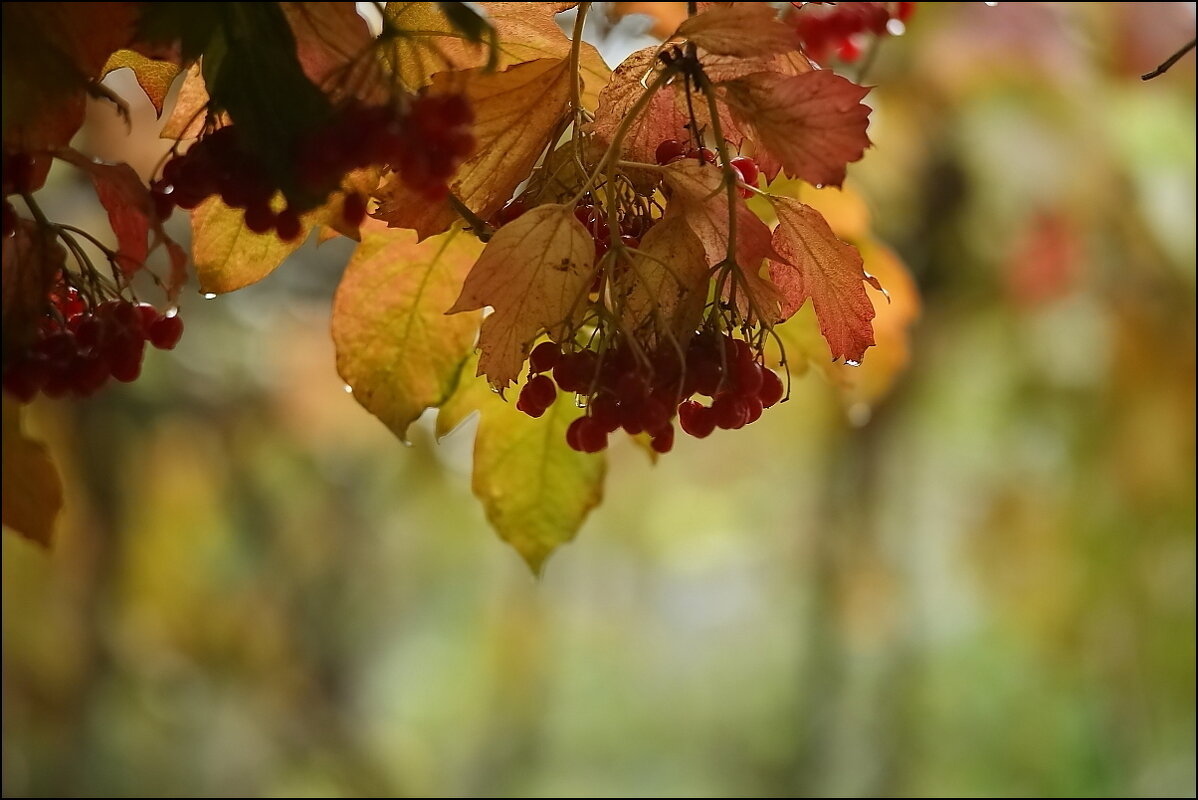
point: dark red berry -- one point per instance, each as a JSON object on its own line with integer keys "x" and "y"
{"x": 668, "y": 150}
{"x": 772, "y": 389}
{"x": 731, "y": 412}
{"x": 288, "y": 225}
{"x": 663, "y": 440}
{"x": 544, "y": 357}
{"x": 164, "y": 332}
{"x": 697, "y": 420}
{"x": 747, "y": 167}
{"x": 353, "y": 210}
{"x": 540, "y": 391}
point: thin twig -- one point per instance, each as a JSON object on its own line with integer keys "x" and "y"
{"x": 1170, "y": 61}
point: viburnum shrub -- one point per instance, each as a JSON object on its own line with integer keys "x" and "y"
{"x": 607, "y": 250}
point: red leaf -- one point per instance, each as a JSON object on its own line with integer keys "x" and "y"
{"x": 813, "y": 124}
{"x": 817, "y": 265}
{"x": 127, "y": 201}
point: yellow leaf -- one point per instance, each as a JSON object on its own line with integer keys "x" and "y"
{"x": 535, "y": 490}
{"x": 396, "y": 347}
{"x": 743, "y": 29}
{"x": 535, "y": 273}
{"x": 515, "y": 114}
{"x": 32, "y": 490}
{"x": 153, "y": 76}
{"x": 227, "y": 254}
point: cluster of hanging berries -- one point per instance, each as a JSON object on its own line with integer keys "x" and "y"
{"x": 79, "y": 346}
{"x": 621, "y": 391}
{"x": 745, "y": 168}
{"x": 842, "y": 28}
{"x": 424, "y": 143}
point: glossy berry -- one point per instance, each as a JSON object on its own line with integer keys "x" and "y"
{"x": 772, "y": 388}
{"x": 544, "y": 357}
{"x": 669, "y": 150}
{"x": 164, "y": 333}
{"x": 288, "y": 225}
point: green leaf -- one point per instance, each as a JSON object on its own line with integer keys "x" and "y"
{"x": 228, "y": 255}
{"x": 396, "y": 348}
{"x": 535, "y": 490}
{"x": 32, "y": 490}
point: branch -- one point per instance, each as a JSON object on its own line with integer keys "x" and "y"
{"x": 481, "y": 229}
{"x": 1170, "y": 61}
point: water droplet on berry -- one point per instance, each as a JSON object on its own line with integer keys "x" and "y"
{"x": 848, "y": 362}
{"x": 349, "y": 389}
{"x": 209, "y": 295}
{"x": 895, "y": 27}
{"x": 819, "y": 186}
{"x": 171, "y": 312}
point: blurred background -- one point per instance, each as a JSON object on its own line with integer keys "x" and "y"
{"x": 980, "y": 581}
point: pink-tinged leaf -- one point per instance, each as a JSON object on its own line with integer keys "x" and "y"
{"x": 698, "y": 197}
{"x": 819, "y": 266}
{"x": 186, "y": 120}
{"x": 329, "y": 38}
{"x": 32, "y": 490}
{"x": 812, "y": 125}
{"x": 535, "y": 273}
{"x": 742, "y": 29}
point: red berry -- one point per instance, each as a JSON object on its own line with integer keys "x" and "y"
{"x": 259, "y": 218}
{"x": 10, "y": 219}
{"x": 697, "y": 420}
{"x": 586, "y": 435}
{"x": 531, "y": 409}
{"x": 731, "y": 412}
{"x": 146, "y": 316}
{"x": 18, "y": 172}
{"x": 771, "y": 388}
{"x": 288, "y": 225}
{"x": 544, "y": 357}
{"x": 164, "y": 205}
{"x": 603, "y": 410}
{"x": 540, "y": 391}
{"x": 575, "y": 371}
{"x": 663, "y": 440}
{"x": 164, "y": 332}
{"x": 511, "y": 211}
{"x": 753, "y": 404}
{"x": 702, "y": 153}
{"x": 668, "y": 150}
{"x": 747, "y": 168}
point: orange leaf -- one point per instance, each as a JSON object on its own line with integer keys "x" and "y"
{"x": 743, "y": 29}
{"x": 187, "y": 117}
{"x": 817, "y": 265}
{"x": 329, "y": 37}
{"x": 813, "y": 124}
{"x": 535, "y": 273}
{"x": 155, "y": 77}
{"x": 515, "y": 113}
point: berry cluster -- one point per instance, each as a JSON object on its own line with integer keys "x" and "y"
{"x": 424, "y": 144}
{"x": 623, "y": 391}
{"x": 79, "y": 347}
{"x": 671, "y": 150}
{"x": 840, "y": 28}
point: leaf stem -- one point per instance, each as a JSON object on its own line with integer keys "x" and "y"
{"x": 480, "y": 228}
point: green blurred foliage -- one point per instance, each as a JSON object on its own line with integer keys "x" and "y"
{"x": 985, "y": 588}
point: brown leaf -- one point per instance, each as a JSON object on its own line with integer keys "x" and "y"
{"x": 698, "y": 197}
{"x": 33, "y": 260}
{"x": 813, "y": 124}
{"x": 395, "y": 346}
{"x": 743, "y": 29}
{"x": 535, "y": 273}
{"x": 819, "y": 266}
{"x": 51, "y": 52}
{"x": 155, "y": 77}
{"x": 32, "y": 490}
{"x": 664, "y": 288}
{"x": 515, "y": 113}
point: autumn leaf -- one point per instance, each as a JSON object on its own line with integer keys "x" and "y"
{"x": 535, "y": 273}
{"x": 228, "y": 255}
{"x": 809, "y": 125}
{"x": 396, "y": 348}
{"x": 536, "y": 491}
{"x": 51, "y": 53}
{"x": 155, "y": 77}
{"x": 743, "y": 29}
{"x": 515, "y": 113}
{"x": 32, "y": 490}
{"x": 329, "y": 39}
{"x": 33, "y": 260}
{"x": 817, "y": 265}
{"x": 187, "y": 118}
{"x": 697, "y": 196}
{"x": 127, "y": 201}
{"x": 664, "y": 287}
